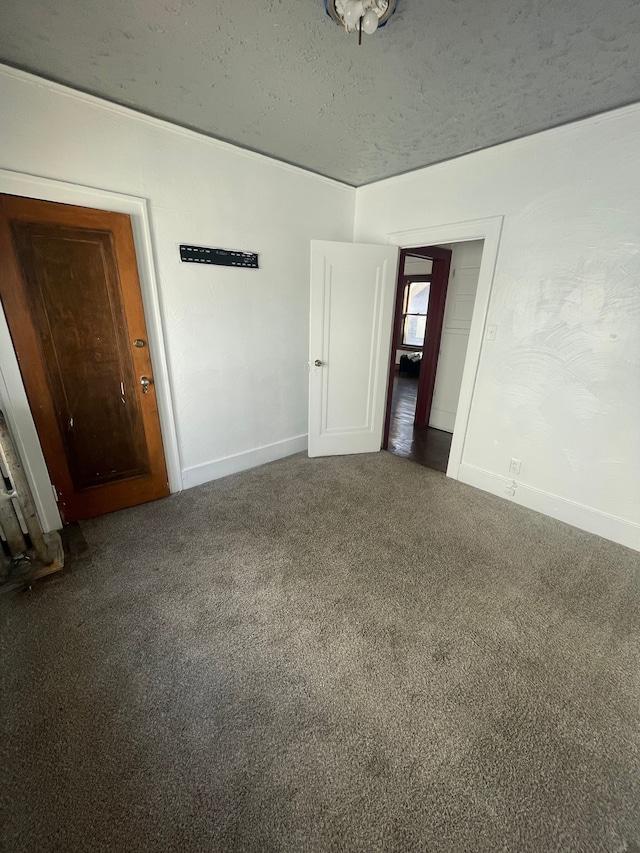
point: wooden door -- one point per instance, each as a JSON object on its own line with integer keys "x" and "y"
{"x": 71, "y": 294}
{"x": 352, "y": 292}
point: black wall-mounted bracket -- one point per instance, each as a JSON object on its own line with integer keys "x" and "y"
{"x": 220, "y": 257}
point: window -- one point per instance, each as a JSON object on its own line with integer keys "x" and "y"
{"x": 414, "y": 312}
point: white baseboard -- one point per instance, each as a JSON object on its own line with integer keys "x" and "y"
{"x": 199, "y": 474}
{"x": 440, "y": 419}
{"x": 592, "y": 520}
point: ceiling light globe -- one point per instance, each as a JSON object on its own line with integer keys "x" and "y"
{"x": 353, "y": 12}
{"x": 370, "y": 22}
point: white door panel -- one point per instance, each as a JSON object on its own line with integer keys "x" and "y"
{"x": 453, "y": 349}
{"x": 461, "y": 295}
{"x": 351, "y": 315}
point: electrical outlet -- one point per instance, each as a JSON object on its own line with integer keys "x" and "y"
{"x": 491, "y": 333}
{"x": 514, "y": 466}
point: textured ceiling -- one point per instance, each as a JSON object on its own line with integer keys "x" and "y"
{"x": 279, "y": 77}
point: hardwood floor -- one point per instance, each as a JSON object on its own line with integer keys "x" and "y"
{"x": 429, "y": 447}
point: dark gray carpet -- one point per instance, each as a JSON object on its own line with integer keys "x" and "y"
{"x": 350, "y": 654}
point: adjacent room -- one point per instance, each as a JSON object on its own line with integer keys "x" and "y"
{"x": 434, "y": 309}
{"x": 319, "y": 406}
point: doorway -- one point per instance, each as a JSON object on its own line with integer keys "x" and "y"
{"x": 434, "y": 305}
{"x": 72, "y": 299}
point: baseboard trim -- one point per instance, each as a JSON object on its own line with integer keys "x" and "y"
{"x": 440, "y": 419}
{"x": 592, "y": 520}
{"x": 199, "y": 474}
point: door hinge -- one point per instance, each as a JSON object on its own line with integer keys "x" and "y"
{"x": 55, "y": 493}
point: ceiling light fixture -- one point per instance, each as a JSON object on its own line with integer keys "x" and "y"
{"x": 360, "y": 15}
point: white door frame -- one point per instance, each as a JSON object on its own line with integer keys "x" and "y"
{"x": 488, "y": 230}
{"x": 13, "y": 397}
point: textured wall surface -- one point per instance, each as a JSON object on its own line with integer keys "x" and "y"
{"x": 280, "y": 77}
{"x": 559, "y": 387}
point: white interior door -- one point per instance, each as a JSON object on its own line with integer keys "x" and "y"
{"x": 351, "y": 317}
{"x": 461, "y": 295}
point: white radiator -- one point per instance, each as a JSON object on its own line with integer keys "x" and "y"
{"x": 26, "y": 551}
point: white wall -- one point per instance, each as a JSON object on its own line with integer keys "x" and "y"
{"x": 236, "y": 340}
{"x": 559, "y": 387}
{"x": 417, "y": 266}
{"x": 461, "y": 292}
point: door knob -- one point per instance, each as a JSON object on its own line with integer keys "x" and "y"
{"x": 317, "y": 362}
{"x": 145, "y": 382}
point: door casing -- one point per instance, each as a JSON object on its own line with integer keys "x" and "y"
{"x": 489, "y": 230}
{"x": 12, "y": 393}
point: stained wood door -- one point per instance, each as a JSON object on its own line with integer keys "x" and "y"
{"x": 71, "y": 294}
{"x": 352, "y": 296}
